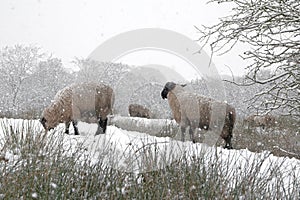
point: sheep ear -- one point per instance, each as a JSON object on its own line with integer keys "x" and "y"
{"x": 183, "y": 85}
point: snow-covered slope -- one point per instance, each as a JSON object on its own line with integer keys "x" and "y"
{"x": 132, "y": 151}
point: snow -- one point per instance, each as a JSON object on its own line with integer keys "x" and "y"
{"x": 34, "y": 195}
{"x": 133, "y": 151}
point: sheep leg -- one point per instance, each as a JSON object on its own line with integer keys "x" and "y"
{"x": 182, "y": 133}
{"x": 76, "y": 132}
{"x": 227, "y": 130}
{"x": 102, "y": 126}
{"x": 228, "y": 144}
{"x": 67, "y": 124}
{"x": 192, "y": 135}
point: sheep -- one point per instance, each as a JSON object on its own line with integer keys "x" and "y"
{"x": 72, "y": 101}
{"x": 263, "y": 121}
{"x": 136, "y": 110}
{"x": 195, "y": 111}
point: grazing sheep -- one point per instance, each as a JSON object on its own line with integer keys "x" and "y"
{"x": 195, "y": 111}
{"x": 264, "y": 121}
{"x": 71, "y": 102}
{"x": 136, "y": 110}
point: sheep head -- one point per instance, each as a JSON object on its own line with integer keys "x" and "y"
{"x": 45, "y": 124}
{"x": 169, "y": 87}
{"x": 49, "y": 120}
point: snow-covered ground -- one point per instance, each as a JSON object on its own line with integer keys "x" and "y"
{"x": 139, "y": 152}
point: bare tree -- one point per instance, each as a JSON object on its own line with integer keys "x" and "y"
{"x": 50, "y": 76}
{"x": 17, "y": 63}
{"x": 271, "y": 29}
{"x": 28, "y": 79}
{"x": 105, "y": 72}
{"x": 88, "y": 69}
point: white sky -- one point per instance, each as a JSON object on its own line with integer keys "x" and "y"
{"x": 74, "y": 28}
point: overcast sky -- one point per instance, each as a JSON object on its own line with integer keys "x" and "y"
{"x": 74, "y": 28}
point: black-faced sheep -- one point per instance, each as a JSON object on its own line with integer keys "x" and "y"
{"x": 195, "y": 111}
{"x": 72, "y": 101}
{"x": 264, "y": 121}
{"x": 136, "y": 110}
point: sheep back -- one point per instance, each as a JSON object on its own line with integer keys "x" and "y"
{"x": 260, "y": 121}
{"x": 136, "y": 110}
{"x": 197, "y": 111}
{"x": 70, "y": 102}
{"x": 190, "y": 108}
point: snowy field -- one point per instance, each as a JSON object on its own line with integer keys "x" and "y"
{"x": 137, "y": 152}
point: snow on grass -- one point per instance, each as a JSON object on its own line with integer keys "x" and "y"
{"x": 132, "y": 151}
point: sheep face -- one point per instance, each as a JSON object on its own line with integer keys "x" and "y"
{"x": 43, "y": 122}
{"x": 47, "y": 124}
{"x": 48, "y": 121}
{"x": 168, "y": 87}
